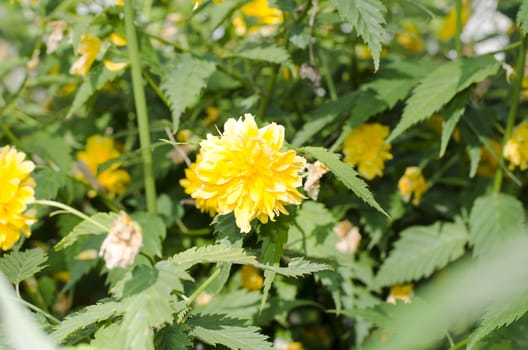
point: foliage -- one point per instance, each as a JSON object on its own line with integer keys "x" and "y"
{"x": 313, "y": 269}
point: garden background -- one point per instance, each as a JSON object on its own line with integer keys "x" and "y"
{"x": 252, "y": 174}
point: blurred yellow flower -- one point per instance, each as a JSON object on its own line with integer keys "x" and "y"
{"x": 245, "y": 172}
{"x": 365, "y": 148}
{"x": 88, "y": 48}
{"x": 448, "y": 29}
{"x": 516, "y": 149}
{"x": 251, "y": 278}
{"x": 117, "y": 39}
{"x": 114, "y": 66}
{"x": 198, "y": 2}
{"x": 489, "y": 162}
{"x": 212, "y": 115}
{"x": 16, "y": 193}
{"x": 410, "y": 39}
{"x": 401, "y": 292}
{"x": 100, "y": 150}
{"x": 412, "y": 183}
{"x": 262, "y": 12}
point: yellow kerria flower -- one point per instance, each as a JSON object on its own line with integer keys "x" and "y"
{"x": 117, "y": 39}
{"x": 448, "y": 29}
{"x": 260, "y": 9}
{"x": 516, "y": 149}
{"x": 410, "y": 39}
{"x": 251, "y": 278}
{"x": 100, "y": 150}
{"x": 401, "y": 292}
{"x": 365, "y": 148}
{"x": 412, "y": 183}
{"x": 245, "y": 172}
{"x": 88, "y": 48}
{"x": 16, "y": 193}
{"x": 489, "y": 162}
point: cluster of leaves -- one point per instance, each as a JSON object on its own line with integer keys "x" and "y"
{"x": 462, "y": 246}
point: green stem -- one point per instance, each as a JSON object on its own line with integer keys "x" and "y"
{"x": 40, "y": 311}
{"x": 203, "y": 286}
{"x": 141, "y": 107}
{"x": 70, "y": 210}
{"x": 517, "y": 85}
{"x": 459, "y": 345}
{"x": 458, "y": 41}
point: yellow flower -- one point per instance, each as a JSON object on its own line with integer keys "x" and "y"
{"x": 262, "y": 12}
{"x": 516, "y": 149}
{"x": 117, "y": 39}
{"x": 100, "y": 150}
{"x": 412, "y": 183}
{"x": 401, "y": 292}
{"x": 16, "y": 193}
{"x": 212, "y": 114}
{"x": 411, "y": 39}
{"x": 489, "y": 162}
{"x": 251, "y": 278}
{"x": 88, "y": 48}
{"x": 245, "y": 172}
{"x": 114, "y": 66}
{"x": 365, "y": 147}
{"x": 448, "y": 29}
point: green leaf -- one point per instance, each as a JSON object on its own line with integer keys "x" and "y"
{"x": 230, "y": 332}
{"x": 154, "y": 232}
{"x": 173, "y": 337}
{"x": 213, "y": 253}
{"x": 267, "y": 53}
{"x": 421, "y": 250}
{"x": 494, "y": 219}
{"x": 441, "y": 85}
{"x": 237, "y": 303}
{"x": 17, "y": 266}
{"x": 87, "y": 228}
{"x": 85, "y": 317}
{"x": 48, "y": 183}
{"x": 367, "y": 17}
{"x": 52, "y": 149}
{"x": 522, "y": 17}
{"x": 452, "y": 114}
{"x": 183, "y": 84}
{"x": 143, "y": 276}
{"x": 500, "y": 315}
{"x": 344, "y": 173}
{"x": 97, "y": 78}
{"x": 274, "y": 237}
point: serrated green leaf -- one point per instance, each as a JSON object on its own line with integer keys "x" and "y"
{"x": 48, "y": 183}
{"x": 274, "y": 237}
{"x": 154, "y": 232}
{"x": 97, "y": 78}
{"x": 173, "y": 337}
{"x": 452, "y": 114}
{"x": 52, "y": 149}
{"x": 230, "y": 332}
{"x": 17, "y": 266}
{"x": 494, "y": 219}
{"x": 183, "y": 84}
{"x": 522, "y": 17}
{"x": 367, "y": 17}
{"x": 421, "y": 250}
{"x": 213, "y": 253}
{"x": 237, "y": 303}
{"x": 143, "y": 276}
{"x": 346, "y": 174}
{"x": 267, "y": 53}
{"x": 441, "y": 85}
{"x": 513, "y": 336}
{"x": 500, "y": 315}
{"x": 85, "y": 317}
{"x": 88, "y": 228}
